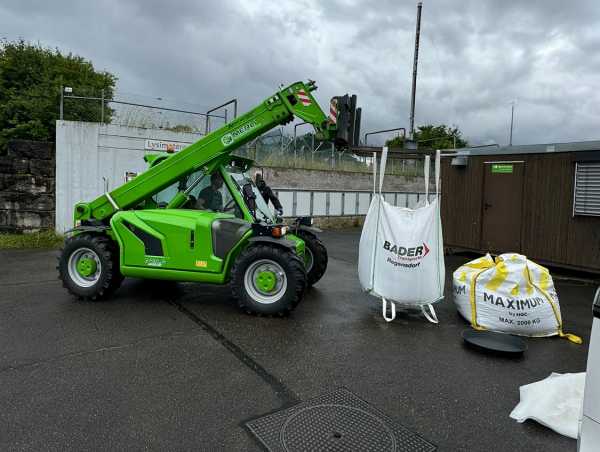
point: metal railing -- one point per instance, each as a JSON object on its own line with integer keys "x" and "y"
{"x": 88, "y": 105}
{"x": 339, "y": 203}
{"x": 233, "y": 101}
{"x": 397, "y": 129}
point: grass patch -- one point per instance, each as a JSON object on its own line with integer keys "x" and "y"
{"x": 42, "y": 239}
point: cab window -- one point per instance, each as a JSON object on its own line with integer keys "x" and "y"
{"x": 208, "y": 192}
{"x": 164, "y": 197}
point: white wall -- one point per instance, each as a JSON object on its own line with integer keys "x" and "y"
{"x": 88, "y": 152}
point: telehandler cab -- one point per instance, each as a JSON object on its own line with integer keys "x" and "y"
{"x": 197, "y": 216}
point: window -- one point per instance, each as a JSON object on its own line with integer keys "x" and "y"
{"x": 204, "y": 194}
{"x": 163, "y": 197}
{"x": 586, "y": 199}
{"x": 240, "y": 179}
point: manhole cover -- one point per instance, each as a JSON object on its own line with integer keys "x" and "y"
{"x": 340, "y": 427}
{"x": 339, "y": 421}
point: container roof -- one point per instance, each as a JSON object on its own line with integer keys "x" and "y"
{"x": 575, "y": 146}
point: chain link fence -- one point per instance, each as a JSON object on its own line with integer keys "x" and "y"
{"x": 277, "y": 149}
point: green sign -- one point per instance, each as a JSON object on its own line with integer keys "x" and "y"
{"x": 502, "y": 168}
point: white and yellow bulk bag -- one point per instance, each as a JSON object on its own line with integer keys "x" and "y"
{"x": 510, "y": 294}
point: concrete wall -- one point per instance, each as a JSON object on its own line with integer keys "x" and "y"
{"x": 319, "y": 179}
{"x": 27, "y": 186}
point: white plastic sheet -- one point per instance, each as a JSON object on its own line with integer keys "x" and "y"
{"x": 556, "y": 402}
{"x": 401, "y": 256}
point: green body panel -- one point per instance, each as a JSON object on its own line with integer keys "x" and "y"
{"x": 185, "y": 237}
{"x": 173, "y": 275}
{"x": 299, "y": 244}
{"x": 277, "y": 109}
{"x": 180, "y": 260}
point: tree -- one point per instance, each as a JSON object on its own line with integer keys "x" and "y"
{"x": 434, "y": 137}
{"x": 180, "y": 128}
{"x": 30, "y": 80}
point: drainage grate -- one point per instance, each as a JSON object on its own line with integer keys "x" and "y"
{"x": 339, "y": 421}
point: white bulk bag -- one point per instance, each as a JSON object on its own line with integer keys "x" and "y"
{"x": 510, "y": 294}
{"x": 401, "y": 256}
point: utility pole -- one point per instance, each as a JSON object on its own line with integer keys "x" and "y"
{"x": 512, "y": 115}
{"x": 102, "y": 107}
{"x": 414, "y": 77}
{"x": 62, "y": 99}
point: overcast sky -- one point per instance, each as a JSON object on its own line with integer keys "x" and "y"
{"x": 475, "y": 56}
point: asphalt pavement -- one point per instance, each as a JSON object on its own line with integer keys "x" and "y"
{"x": 165, "y": 366}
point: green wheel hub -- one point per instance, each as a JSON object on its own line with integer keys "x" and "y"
{"x": 86, "y": 266}
{"x": 266, "y": 281}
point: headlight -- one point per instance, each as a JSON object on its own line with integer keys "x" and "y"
{"x": 279, "y": 231}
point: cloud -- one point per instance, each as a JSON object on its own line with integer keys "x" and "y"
{"x": 475, "y": 57}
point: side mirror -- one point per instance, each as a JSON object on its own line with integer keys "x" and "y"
{"x": 249, "y": 197}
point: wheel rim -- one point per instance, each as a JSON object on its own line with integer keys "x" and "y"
{"x": 309, "y": 259}
{"x": 84, "y": 267}
{"x": 265, "y": 281}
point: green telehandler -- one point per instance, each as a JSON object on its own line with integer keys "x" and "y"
{"x": 197, "y": 216}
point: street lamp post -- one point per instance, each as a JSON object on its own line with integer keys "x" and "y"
{"x": 414, "y": 75}
{"x": 512, "y": 116}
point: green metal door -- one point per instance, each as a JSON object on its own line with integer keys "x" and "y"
{"x": 187, "y": 237}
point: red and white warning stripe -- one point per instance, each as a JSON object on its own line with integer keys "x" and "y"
{"x": 303, "y": 97}
{"x": 333, "y": 110}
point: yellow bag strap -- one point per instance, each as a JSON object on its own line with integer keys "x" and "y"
{"x": 571, "y": 337}
{"x": 481, "y": 266}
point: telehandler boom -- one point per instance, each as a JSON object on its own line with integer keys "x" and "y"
{"x": 294, "y": 101}
{"x": 197, "y": 216}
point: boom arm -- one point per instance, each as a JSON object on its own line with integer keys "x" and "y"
{"x": 280, "y": 108}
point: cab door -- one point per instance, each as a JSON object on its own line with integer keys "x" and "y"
{"x": 185, "y": 238}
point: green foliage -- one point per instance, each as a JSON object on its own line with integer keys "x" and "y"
{"x": 434, "y": 137}
{"x": 181, "y": 128}
{"x": 30, "y": 81}
{"x": 395, "y": 142}
{"x": 42, "y": 239}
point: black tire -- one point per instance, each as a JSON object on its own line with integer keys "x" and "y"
{"x": 319, "y": 253}
{"x": 283, "y": 302}
{"x": 107, "y": 279}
